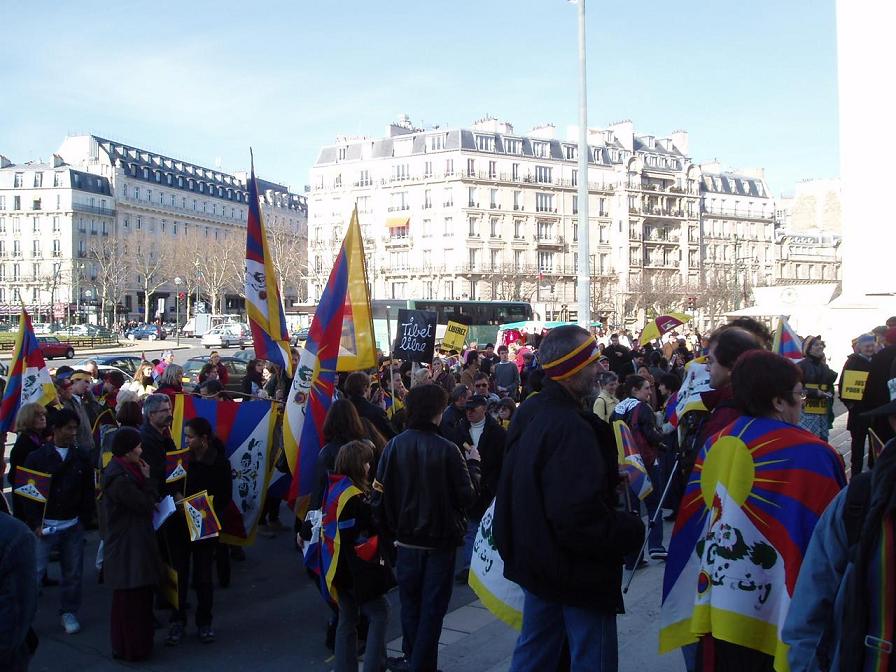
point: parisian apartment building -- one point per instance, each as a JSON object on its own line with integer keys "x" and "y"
{"x": 54, "y": 214}
{"x": 491, "y": 214}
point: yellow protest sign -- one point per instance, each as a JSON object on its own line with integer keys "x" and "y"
{"x": 455, "y": 336}
{"x": 853, "y": 386}
{"x": 816, "y": 405}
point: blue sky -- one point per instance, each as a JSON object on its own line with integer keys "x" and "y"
{"x": 753, "y": 82}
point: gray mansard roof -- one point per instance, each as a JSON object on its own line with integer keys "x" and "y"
{"x": 736, "y": 185}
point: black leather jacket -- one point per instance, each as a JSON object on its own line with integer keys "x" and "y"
{"x": 423, "y": 488}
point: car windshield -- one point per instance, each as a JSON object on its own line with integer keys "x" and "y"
{"x": 194, "y": 366}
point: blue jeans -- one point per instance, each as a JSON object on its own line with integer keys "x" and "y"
{"x": 425, "y": 579}
{"x": 71, "y": 559}
{"x": 377, "y": 610}
{"x": 591, "y": 635}
{"x": 469, "y": 540}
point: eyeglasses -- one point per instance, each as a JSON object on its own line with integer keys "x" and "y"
{"x": 164, "y": 409}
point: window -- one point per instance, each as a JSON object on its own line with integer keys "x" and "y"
{"x": 57, "y": 179}
{"x": 427, "y": 199}
{"x": 2, "y": 202}
{"x": 515, "y": 171}
{"x": 493, "y": 227}
{"x": 2, "y": 294}
{"x": 493, "y": 200}
{"x": 2, "y": 224}
{"x": 541, "y": 149}
{"x": 399, "y": 201}
{"x": 400, "y": 172}
{"x": 471, "y": 197}
{"x": 16, "y": 272}
{"x": 471, "y": 167}
{"x": 545, "y": 230}
{"x": 474, "y": 254}
{"x": 342, "y": 151}
{"x": 545, "y": 261}
{"x": 517, "y": 260}
{"x": 575, "y": 178}
{"x": 485, "y": 143}
{"x": 16, "y": 202}
{"x": 513, "y": 146}
{"x": 364, "y": 178}
{"x": 427, "y": 169}
{"x": 17, "y": 179}
{"x": 57, "y": 247}
{"x": 518, "y": 228}
{"x": 544, "y": 202}
{"x": 136, "y": 193}
{"x": 58, "y": 202}
{"x": 575, "y": 205}
{"x": 427, "y": 228}
{"x": 437, "y": 142}
{"x": 473, "y": 227}
{"x": 517, "y": 200}
{"x": 449, "y": 289}
{"x": 2, "y": 252}
{"x": 35, "y": 271}
{"x": 363, "y": 203}
{"x": 571, "y": 152}
{"x": 449, "y": 166}
{"x": 448, "y": 198}
{"x": 492, "y": 169}
{"x": 399, "y": 232}
{"x": 149, "y": 195}
{"x": 543, "y": 174}
{"x": 448, "y": 226}
{"x": 35, "y": 225}
{"x": 38, "y": 179}
{"x": 398, "y": 290}
{"x": 16, "y": 227}
{"x": 495, "y": 259}
{"x": 575, "y": 231}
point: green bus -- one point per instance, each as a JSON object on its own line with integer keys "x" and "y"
{"x": 483, "y": 317}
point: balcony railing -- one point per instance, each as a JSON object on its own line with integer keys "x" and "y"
{"x": 93, "y": 209}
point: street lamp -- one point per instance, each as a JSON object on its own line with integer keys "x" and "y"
{"x": 177, "y": 283}
{"x": 584, "y": 269}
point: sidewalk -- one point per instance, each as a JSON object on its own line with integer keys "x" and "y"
{"x": 475, "y": 641}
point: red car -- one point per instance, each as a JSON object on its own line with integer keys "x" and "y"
{"x": 52, "y": 347}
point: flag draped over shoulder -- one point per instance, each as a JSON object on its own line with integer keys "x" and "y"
{"x": 340, "y": 339}
{"x": 630, "y": 460}
{"x": 246, "y": 430}
{"x": 323, "y": 557}
{"x": 756, "y": 493}
{"x": 263, "y": 303}
{"x": 787, "y": 343}
{"x": 201, "y": 519}
{"x": 29, "y": 380}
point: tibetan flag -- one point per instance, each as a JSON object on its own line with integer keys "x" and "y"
{"x": 246, "y": 430}
{"x": 201, "y": 519}
{"x": 757, "y": 491}
{"x": 168, "y": 585}
{"x": 787, "y": 343}
{"x": 176, "y": 465}
{"x": 263, "y": 304}
{"x": 34, "y": 485}
{"x": 630, "y": 460}
{"x": 688, "y": 398}
{"x": 875, "y": 445}
{"x": 29, "y": 380}
{"x": 331, "y": 346}
{"x": 498, "y": 594}
{"x": 324, "y": 560}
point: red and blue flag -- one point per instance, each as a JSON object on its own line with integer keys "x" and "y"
{"x": 757, "y": 490}
{"x": 202, "y": 522}
{"x": 630, "y": 460}
{"x": 246, "y": 429}
{"x": 29, "y": 380}
{"x": 787, "y": 343}
{"x": 263, "y": 304}
{"x": 322, "y": 556}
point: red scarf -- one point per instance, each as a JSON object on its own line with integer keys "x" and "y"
{"x": 132, "y": 469}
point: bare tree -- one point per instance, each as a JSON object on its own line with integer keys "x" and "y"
{"x": 289, "y": 255}
{"x": 654, "y": 293}
{"x": 186, "y": 261}
{"x": 151, "y": 260}
{"x": 110, "y": 259}
{"x": 514, "y": 283}
{"x": 220, "y": 262}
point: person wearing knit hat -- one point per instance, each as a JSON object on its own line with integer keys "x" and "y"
{"x": 851, "y": 388}
{"x": 556, "y": 523}
{"x": 818, "y": 379}
{"x": 131, "y": 565}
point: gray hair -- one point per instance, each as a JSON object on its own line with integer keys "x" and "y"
{"x": 561, "y": 341}
{"x": 607, "y": 377}
{"x": 172, "y": 375}
{"x": 122, "y": 397}
{"x": 153, "y": 402}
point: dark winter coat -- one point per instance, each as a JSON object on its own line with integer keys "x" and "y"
{"x": 855, "y": 362}
{"x": 619, "y": 359}
{"x": 155, "y": 446}
{"x": 71, "y": 486}
{"x": 556, "y": 523}
{"x": 876, "y": 391}
{"x": 491, "y": 451}
{"x": 18, "y": 592}
{"x": 375, "y": 414}
{"x": 130, "y": 551}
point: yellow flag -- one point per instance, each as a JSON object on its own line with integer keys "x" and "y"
{"x": 356, "y": 346}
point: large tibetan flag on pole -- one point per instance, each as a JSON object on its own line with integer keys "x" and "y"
{"x": 787, "y": 343}
{"x": 246, "y": 430}
{"x": 29, "y": 380}
{"x": 263, "y": 304}
{"x": 631, "y": 462}
{"x": 757, "y": 491}
{"x": 340, "y": 339}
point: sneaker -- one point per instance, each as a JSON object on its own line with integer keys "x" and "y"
{"x": 70, "y": 623}
{"x": 175, "y": 634}
{"x": 399, "y": 664}
{"x": 658, "y": 553}
{"x": 206, "y": 634}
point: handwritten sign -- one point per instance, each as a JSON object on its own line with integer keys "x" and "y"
{"x": 853, "y": 385}
{"x": 455, "y": 336}
{"x": 416, "y": 337}
{"x": 816, "y": 405}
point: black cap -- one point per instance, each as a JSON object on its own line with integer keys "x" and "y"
{"x": 211, "y": 386}
{"x": 477, "y": 400}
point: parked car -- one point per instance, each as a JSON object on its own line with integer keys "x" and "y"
{"x": 245, "y": 355}
{"x": 52, "y": 347}
{"x": 102, "y": 369}
{"x": 148, "y": 331}
{"x": 300, "y": 336}
{"x": 236, "y": 370}
{"x": 41, "y": 327}
{"x": 223, "y": 336}
{"x": 127, "y": 363}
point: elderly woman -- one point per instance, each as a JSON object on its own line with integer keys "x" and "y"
{"x": 421, "y": 376}
{"x": 131, "y": 564}
{"x": 818, "y": 380}
{"x": 31, "y": 432}
{"x": 171, "y": 381}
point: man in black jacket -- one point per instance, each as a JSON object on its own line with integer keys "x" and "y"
{"x": 155, "y": 437}
{"x": 58, "y": 522}
{"x": 556, "y": 523}
{"x": 619, "y": 358}
{"x": 857, "y": 366}
{"x": 482, "y": 431}
{"x": 357, "y": 385}
{"x": 455, "y": 414}
{"x": 877, "y": 391}
{"x": 424, "y": 485}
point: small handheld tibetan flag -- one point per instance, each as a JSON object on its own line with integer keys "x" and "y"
{"x": 176, "y": 465}
{"x": 630, "y": 460}
{"x": 34, "y": 485}
{"x": 201, "y": 519}
{"x": 787, "y": 343}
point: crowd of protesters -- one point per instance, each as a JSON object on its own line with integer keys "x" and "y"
{"x": 419, "y": 452}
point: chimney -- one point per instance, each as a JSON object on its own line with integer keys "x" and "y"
{"x": 680, "y": 140}
{"x": 625, "y": 133}
{"x": 57, "y": 161}
{"x": 543, "y": 132}
{"x": 4, "y": 162}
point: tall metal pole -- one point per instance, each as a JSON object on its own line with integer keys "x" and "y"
{"x": 584, "y": 266}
